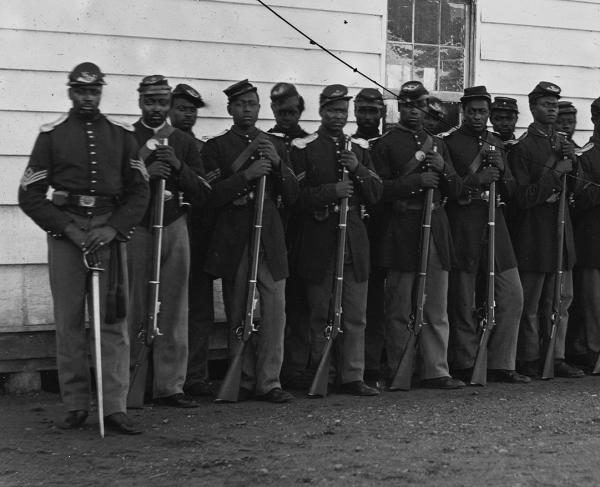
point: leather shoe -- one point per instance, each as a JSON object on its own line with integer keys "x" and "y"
{"x": 563, "y": 369}
{"x": 175, "y": 401}
{"x": 510, "y": 376}
{"x": 463, "y": 374}
{"x": 530, "y": 368}
{"x": 443, "y": 383}
{"x": 358, "y": 388}
{"x": 276, "y": 395}
{"x": 119, "y": 423}
{"x": 200, "y": 389}
{"x": 73, "y": 420}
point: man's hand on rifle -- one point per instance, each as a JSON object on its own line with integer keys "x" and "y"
{"x": 344, "y": 189}
{"x": 159, "y": 170}
{"x": 267, "y": 150}
{"x": 567, "y": 149}
{"x": 435, "y": 161}
{"x": 98, "y": 237}
{"x": 349, "y": 160}
{"x": 564, "y": 166}
{"x": 487, "y": 175}
{"x": 259, "y": 168}
{"x": 166, "y": 153}
{"x": 430, "y": 179}
{"x": 76, "y": 235}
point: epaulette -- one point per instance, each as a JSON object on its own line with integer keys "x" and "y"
{"x": 302, "y": 142}
{"x": 585, "y": 148}
{"x": 447, "y": 133}
{"x": 50, "y": 126}
{"x": 276, "y": 134}
{"x": 360, "y": 142}
{"x": 520, "y": 139}
{"x": 120, "y": 123}
{"x": 206, "y": 138}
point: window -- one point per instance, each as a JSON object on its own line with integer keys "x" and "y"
{"x": 429, "y": 41}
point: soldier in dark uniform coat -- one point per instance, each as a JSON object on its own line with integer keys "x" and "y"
{"x": 177, "y": 161}
{"x": 318, "y": 161}
{"x": 100, "y": 193}
{"x": 399, "y": 156}
{"x": 185, "y": 103}
{"x": 287, "y": 106}
{"x": 234, "y": 175}
{"x": 369, "y": 111}
{"x": 479, "y": 159}
{"x": 534, "y": 230}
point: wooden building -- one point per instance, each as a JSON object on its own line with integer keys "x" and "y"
{"x": 508, "y": 46}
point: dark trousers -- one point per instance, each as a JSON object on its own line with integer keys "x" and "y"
{"x": 375, "y": 331}
{"x": 586, "y": 331}
{"x": 297, "y": 330}
{"x": 464, "y": 323}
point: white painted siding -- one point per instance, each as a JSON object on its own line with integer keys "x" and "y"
{"x": 208, "y": 44}
{"x": 522, "y": 42}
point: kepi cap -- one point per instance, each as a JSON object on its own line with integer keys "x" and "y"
{"x": 544, "y": 88}
{"x": 411, "y": 91}
{"x": 505, "y": 103}
{"x": 155, "y": 84}
{"x": 86, "y": 74}
{"x": 435, "y": 106}
{"x": 476, "y": 92}
{"x": 333, "y": 93}
{"x": 239, "y": 88}
{"x": 369, "y": 97}
{"x": 186, "y": 91}
{"x": 565, "y": 107}
{"x": 283, "y": 90}
{"x": 595, "y": 107}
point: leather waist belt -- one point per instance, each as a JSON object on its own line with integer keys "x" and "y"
{"x": 90, "y": 201}
{"x": 418, "y": 205}
{"x": 324, "y": 213}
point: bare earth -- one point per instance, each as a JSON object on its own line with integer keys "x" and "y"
{"x": 546, "y": 433}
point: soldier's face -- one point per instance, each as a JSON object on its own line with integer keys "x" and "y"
{"x": 504, "y": 122}
{"x": 85, "y": 99}
{"x": 476, "y": 114}
{"x": 545, "y": 110}
{"x": 287, "y": 116}
{"x": 367, "y": 117}
{"x": 183, "y": 114}
{"x": 155, "y": 108}
{"x": 412, "y": 113}
{"x": 566, "y": 123}
{"x": 334, "y": 115}
{"x": 431, "y": 123}
{"x": 244, "y": 110}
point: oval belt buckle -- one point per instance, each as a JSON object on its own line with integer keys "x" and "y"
{"x": 420, "y": 155}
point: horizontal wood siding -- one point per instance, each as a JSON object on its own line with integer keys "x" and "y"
{"x": 208, "y": 44}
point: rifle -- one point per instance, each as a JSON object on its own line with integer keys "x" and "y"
{"x": 149, "y": 328}
{"x": 488, "y": 320}
{"x": 404, "y": 372}
{"x": 230, "y": 387}
{"x": 92, "y": 263}
{"x": 548, "y": 372}
{"x": 320, "y": 381}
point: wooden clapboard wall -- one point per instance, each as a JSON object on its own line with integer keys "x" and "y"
{"x": 208, "y": 44}
{"x": 522, "y": 42}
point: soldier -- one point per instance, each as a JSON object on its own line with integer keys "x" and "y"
{"x": 369, "y": 110}
{"x": 398, "y": 156}
{"x": 566, "y": 121}
{"x": 538, "y": 160}
{"x": 235, "y": 161}
{"x": 178, "y": 162}
{"x": 185, "y": 103}
{"x": 585, "y": 338}
{"x": 318, "y": 160}
{"x": 434, "y": 120}
{"x": 504, "y": 115}
{"x": 469, "y": 147}
{"x": 287, "y": 106}
{"x": 100, "y": 193}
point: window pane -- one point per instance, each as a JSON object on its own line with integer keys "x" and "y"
{"x": 426, "y": 63}
{"x": 427, "y": 20}
{"x": 399, "y": 65}
{"x": 453, "y": 23}
{"x": 452, "y": 69}
{"x": 400, "y": 20}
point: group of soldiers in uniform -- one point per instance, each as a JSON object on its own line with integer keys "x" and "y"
{"x": 104, "y": 175}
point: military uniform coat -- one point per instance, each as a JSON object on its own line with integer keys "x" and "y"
{"x": 535, "y": 218}
{"x": 400, "y": 245}
{"x": 468, "y": 217}
{"x": 234, "y": 223}
{"x": 316, "y": 162}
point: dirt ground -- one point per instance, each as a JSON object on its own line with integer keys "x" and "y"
{"x": 543, "y": 434}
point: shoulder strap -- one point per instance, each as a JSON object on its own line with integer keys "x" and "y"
{"x": 476, "y": 163}
{"x": 243, "y": 156}
{"x": 413, "y": 163}
{"x": 151, "y": 143}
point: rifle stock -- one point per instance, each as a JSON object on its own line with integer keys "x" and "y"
{"x": 548, "y": 370}
{"x": 230, "y": 387}
{"x": 320, "y": 382}
{"x": 404, "y": 372}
